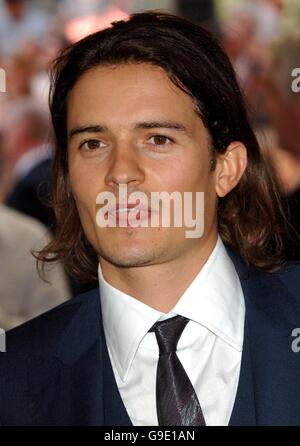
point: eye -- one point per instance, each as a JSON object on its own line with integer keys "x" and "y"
{"x": 91, "y": 144}
{"x": 159, "y": 140}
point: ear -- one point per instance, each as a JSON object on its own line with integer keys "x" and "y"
{"x": 230, "y": 168}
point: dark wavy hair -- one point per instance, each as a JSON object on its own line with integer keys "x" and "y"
{"x": 251, "y": 217}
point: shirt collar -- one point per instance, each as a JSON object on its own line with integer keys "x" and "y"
{"x": 126, "y": 321}
{"x": 214, "y": 299}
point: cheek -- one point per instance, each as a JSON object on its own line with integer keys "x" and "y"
{"x": 84, "y": 190}
{"x": 85, "y": 187}
{"x": 194, "y": 176}
{"x": 185, "y": 176}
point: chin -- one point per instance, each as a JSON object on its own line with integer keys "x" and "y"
{"x": 129, "y": 256}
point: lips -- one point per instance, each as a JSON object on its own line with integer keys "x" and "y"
{"x": 127, "y": 207}
{"x": 122, "y": 211}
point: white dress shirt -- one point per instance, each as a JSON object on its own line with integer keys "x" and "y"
{"x": 210, "y": 347}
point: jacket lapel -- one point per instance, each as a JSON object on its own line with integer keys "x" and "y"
{"x": 244, "y": 412}
{"x": 267, "y": 386}
{"x": 74, "y": 384}
{"x": 115, "y": 413}
{"x": 64, "y": 385}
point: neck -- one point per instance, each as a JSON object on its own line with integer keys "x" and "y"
{"x": 160, "y": 286}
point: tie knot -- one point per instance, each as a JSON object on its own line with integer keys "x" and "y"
{"x": 168, "y": 333}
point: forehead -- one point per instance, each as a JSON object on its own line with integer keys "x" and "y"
{"x": 129, "y": 91}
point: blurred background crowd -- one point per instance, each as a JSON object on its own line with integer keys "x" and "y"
{"x": 262, "y": 38}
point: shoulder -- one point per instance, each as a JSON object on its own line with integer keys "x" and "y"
{"x": 43, "y": 333}
{"x": 20, "y": 225}
{"x": 288, "y": 274}
{"x": 290, "y": 277}
{"x": 284, "y": 281}
{"x": 274, "y": 296}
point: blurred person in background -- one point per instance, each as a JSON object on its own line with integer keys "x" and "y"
{"x": 238, "y": 37}
{"x": 283, "y": 108}
{"x": 43, "y": 55}
{"x": 18, "y": 70}
{"x": 247, "y": 33}
{"x": 21, "y": 23}
{"x": 282, "y": 99}
{"x": 264, "y": 57}
{"x": 23, "y": 294}
{"x": 266, "y": 15}
{"x": 25, "y": 139}
{"x": 27, "y": 72}
{"x": 29, "y": 157}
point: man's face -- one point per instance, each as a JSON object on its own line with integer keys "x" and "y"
{"x": 123, "y": 100}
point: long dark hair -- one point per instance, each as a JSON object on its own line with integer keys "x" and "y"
{"x": 250, "y": 218}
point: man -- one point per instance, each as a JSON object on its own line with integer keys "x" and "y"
{"x": 152, "y": 105}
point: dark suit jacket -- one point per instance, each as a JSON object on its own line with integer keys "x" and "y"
{"x": 30, "y": 192}
{"x": 57, "y": 370}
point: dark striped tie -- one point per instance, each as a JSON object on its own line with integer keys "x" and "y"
{"x": 176, "y": 400}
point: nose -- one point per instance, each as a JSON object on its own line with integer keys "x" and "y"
{"x": 124, "y": 167}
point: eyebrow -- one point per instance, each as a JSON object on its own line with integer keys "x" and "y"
{"x": 97, "y": 128}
